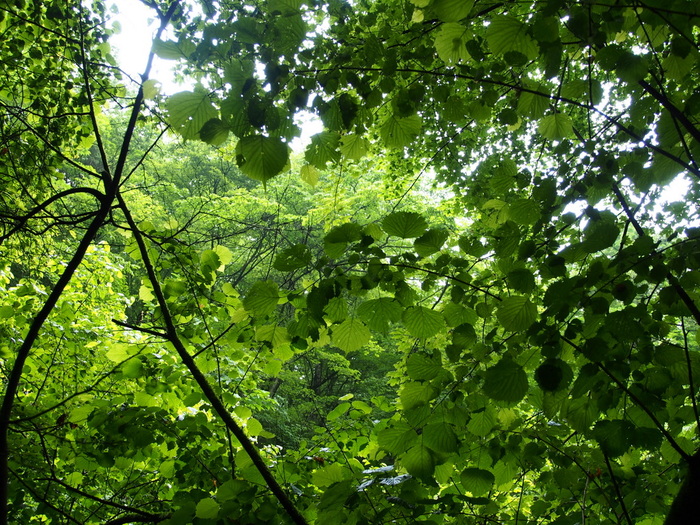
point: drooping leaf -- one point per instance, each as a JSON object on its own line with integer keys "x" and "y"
{"x": 419, "y": 462}
{"x": 451, "y": 43}
{"x": 354, "y": 146}
{"x": 189, "y": 111}
{"x": 261, "y": 158}
{"x": 506, "y": 33}
{"x": 398, "y": 132}
{"x": 207, "y": 509}
{"x": 477, "y": 481}
{"x": 420, "y": 367}
{"x": 505, "y": 381}
{"x": 452, "y": 10}
{"x": 556, "y": 126}
{"x": 350, "y": 335}
{"x": 397, "y": 438}
{"x": 440, "y": 437}
{"x": 430, "y": 242}
{"x": 516, "y": 313}
{"x": 416, "y": 394}
{"x": 214, "y": 132}
{"x": 262, "y": 298}
{"x": 423, "y": 322}
{"x": 380, "y": 313}
{"x": 404, "y": 224}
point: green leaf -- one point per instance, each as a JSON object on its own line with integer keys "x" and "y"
{"x": 524, "y": 211}
{"x": 262, "y": 298}
{"x": 170, "y": 50}
{"x": 380, "y": 313}
{"x": 293, "y": 258}
{"x": 261, "y": 158}
{"x": 420, "y": 367}
{"x": 416, "y": 394}
{"x": 614, "y": 437}
{"x": 397, "y": 438}
{"x": 309, "y": 174}
{"x": 553, "y": 375}
{"x": 329, "y": 474}
{"x": 600, "y": 234}
{"x": 477, "y": 481}
{"x": 431, "y": 241}
{"x": 398, "y": 132}
{"x": 351, "y": 335}
{"x": 419, "y": 462}
{"x": 556, "y": 126}
{"x": 516, "y": 313}
{"x": 404, "y": 224}
{"x": 423, "y": 322}
{"x": 505, "y": 381}
{"x": 354, "y": 147}
{"x": 451, "y": 43}
{"x": 323, "y": 149}
{"x": 440, "y": 437}
{"x": 452, "y": 10}
{"x": 207, "y": 509}
{"x": 189, "y": 111}
{"x": 214, "y": 132}
{"x": 506, "y": 33}
{"x": 481, "y": 423}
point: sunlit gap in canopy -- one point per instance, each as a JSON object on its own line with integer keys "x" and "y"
{"x": 137, "y": 26}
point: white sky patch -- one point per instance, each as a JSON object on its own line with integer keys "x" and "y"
{"x": 133, "y": 44}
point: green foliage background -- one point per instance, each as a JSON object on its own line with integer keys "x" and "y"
{"x": 468, "y": 300}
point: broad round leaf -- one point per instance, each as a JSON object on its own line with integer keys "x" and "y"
{"x": 397, "y": 438}
{"x": 419, "y": 462}
{"x": 440, "y": 437}
{"x": 451, "y": 43}
{"x": 351, "y": 335}
{"x": 380, "y": 313}
{"x": 423, "y": 322}
{"x": 452, "y": 10}
{"x": 262, "y": 298}
{"x": 261, "y": 158}
{"x": 404, "y": 224}
{"x": 189, "y": 111}
{"x": 506, "y": 381}
{"x": 477, "y": 481}
{"x": 420, "y": 367}
{"x": 207, "y": 509}
{"x": 556, "y": 127}
{"x": 516, "y": 313}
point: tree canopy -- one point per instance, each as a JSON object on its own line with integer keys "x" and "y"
{"x": 471, "y": 298}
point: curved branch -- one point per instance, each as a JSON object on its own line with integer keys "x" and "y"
{"x": 23, "y": 220}
{"x": 201, "y": 380}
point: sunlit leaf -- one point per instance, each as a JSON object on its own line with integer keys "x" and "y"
{"x": 516, "y": 313}
{"x": 261, "y": 158}
{"x": 189, "y": 111}
{"x": 350, "y": 335}
{"x": 423, "y": 322}
{"x": 404, "y": 224}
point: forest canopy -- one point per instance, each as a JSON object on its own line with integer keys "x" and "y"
{"x": 471, "y": 298}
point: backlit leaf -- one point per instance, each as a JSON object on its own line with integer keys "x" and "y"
{"x": 261, "y": 158}
{"x": 505, "y": 381}
{"x": 516, "y": 313}
{"x": 423, "y": 322}
{"x": 189, "y": 111}
{"x": 351, "y": 335}
{"x": 404, "y": 224}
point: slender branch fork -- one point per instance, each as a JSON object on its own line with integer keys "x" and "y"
{"x": 111, "y": 182}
